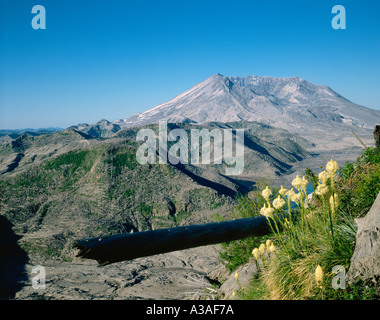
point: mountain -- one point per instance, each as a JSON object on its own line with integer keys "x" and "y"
{"x": 59, "y": 187}
{"x": 12, "y": 134}
{"x": 294, "y": 104}
{"x": 101, "y": 129}
{"x": 268, "y": 151}
{"x": 26, "y": 151}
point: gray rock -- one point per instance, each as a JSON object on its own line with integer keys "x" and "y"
{"x": 246, "y": 272}
{"x": 179, "y": 275}
{"x": 365, "y": 262}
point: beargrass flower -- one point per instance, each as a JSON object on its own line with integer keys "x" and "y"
{"x": 304, "y": 183}
{"x": 323, "y": 176}
{"x": 290, "y": 193}
{"x": 255, "y": 253}
{"x": 263, "y": 210}
{"x": 295, "y": 197}
{"x": 318, "y": 274}
{"x": 322, "y": 189}
{"x": 262, "y": 249}
{"x": 296, "y": 183}
{"x": 266, "y": 211}
{"x": 237, "y": 276}
{"x": 269, "y": 211}
{"x": 266, "y": 193}
{"x": 272, "y": 248}
{"x": 278, "y": 203}
{"x": 334, "y": 202}
{"x": 282, "y": 191}
{"x": 332, "y": 166}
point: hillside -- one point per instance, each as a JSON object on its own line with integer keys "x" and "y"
{"x": 68, "y": 185}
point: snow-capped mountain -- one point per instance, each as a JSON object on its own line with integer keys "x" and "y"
{"x": 290, "y": 103}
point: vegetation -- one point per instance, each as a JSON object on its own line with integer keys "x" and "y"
{"x": 99, "y": 190}
{"x": 317, "y": 234}
{"x": 236, "y": 253}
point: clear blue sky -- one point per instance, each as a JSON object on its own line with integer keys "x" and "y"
{"x": 111, "y": 59}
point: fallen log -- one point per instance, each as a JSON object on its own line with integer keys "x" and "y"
{"x": 115, "y": 248}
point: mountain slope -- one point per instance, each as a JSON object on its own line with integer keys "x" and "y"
{"x": 101, "y": 129}
{"x": 101, "y": 189}
{"x": 290, "y": 103}
{"x": 268, "y": 151}
{"x": 25, "y": 151}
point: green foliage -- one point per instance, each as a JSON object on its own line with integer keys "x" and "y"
{"x": 371, "y": 155}
{"x": 145, "y": 209}
{"x": 256, "y": 290}
{"x": 126, "y": 159}
{"x": 357, "y": 291}
{"x": 359, "y": 183}
{"x": 323, "y": 235}
{"x": 236, "y": 253}
{"x": 311, "y": 177}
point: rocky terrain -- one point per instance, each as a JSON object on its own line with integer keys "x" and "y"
{"x": 60, "y": 187}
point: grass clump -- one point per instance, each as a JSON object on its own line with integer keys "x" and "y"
{"x": 236, "y": 253}
{"x": 315, "y": 235}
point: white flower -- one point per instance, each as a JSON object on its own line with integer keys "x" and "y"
{"x": 334, "y": 202}
{"x": 256, "y": 253}
{"x": 272, "y": 248}
{"x": 323, "y": 176}
{"x": 263, "y": 210}
{"x": 304, "y": 183}
{"x": 296, "y": 183}
{"x": 296, "y": 197}
{"x": 268, "y": 243}
{"x": 266, "y": 193}
{"x": 332, "y": 166}
{"x": 269, "y": 211}
{"x": 322, "y": 189}
{"x": 282, "y": 191}
{"x": 278, "y": 203}
{"x": 290, "y": 194}
{"x": 262, "y": 249}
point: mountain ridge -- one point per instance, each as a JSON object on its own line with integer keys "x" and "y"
{"x": 289, "y": 103}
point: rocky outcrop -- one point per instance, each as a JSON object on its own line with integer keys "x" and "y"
{"x": 365, "y": 262}
{"x": 179, "y": 275}
{"x": 246, "y": 273}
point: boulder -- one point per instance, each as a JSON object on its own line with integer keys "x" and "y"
{"x": 365, "y": 262}
{"x": 246, "y": 273}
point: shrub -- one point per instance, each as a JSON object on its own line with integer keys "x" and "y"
{"x": 317, "y": 234}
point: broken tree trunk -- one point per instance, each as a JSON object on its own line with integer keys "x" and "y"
{"x": 129, "y": 246}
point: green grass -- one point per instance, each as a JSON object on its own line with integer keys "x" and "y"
{"x": 236, "y": 253}
{"x": 323, "y": 234}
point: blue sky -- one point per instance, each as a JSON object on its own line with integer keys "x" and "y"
{"x": 111, "y": 59}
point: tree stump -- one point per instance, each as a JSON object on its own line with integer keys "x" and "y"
{"x": 376, "y": 134}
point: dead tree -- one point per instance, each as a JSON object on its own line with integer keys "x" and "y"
{"x": 376, "y": 134}
{"x": 129, "y": 246}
